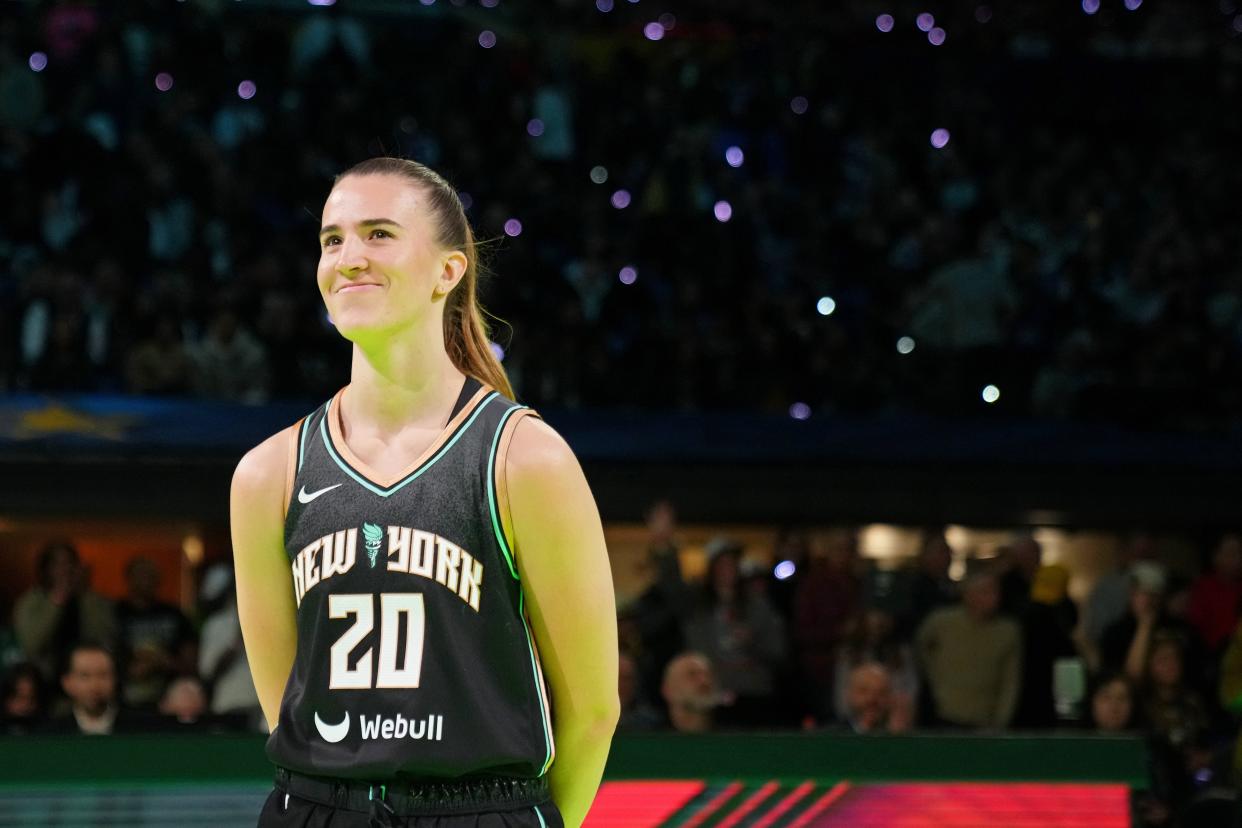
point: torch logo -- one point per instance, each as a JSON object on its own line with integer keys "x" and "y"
{"x": 372, "y": 535}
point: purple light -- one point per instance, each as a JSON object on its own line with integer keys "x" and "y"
{"x": 513, "y": 227}
{"x": 621, "y": 199}
{"x": 734, "y": 156}
{"x": 246, "y": 90}
{"x": 487, "y": 38}
{"x": 534, "y": 127}
{"x": 925, "y": 21}
{"x": 784, "y": 570}
{"x": 322, "y": 2}
{"x": 604, "y": 5}
{"x": 653, "y": 31}
{"x": 38, "y": 61}
{"x": 498, "y": 351}
{"x": 1091, "y": 6}
{"x": 983, "y": 13}
{"x": 427, "y": 2}
{"x": 800, "y": 411}
{"x": 489, "y": 4}
{"x": 467, "y": 200}
{"x": 628, "y": 275}
{"x": 799, "y": 105}
{"x": 884, "y": 23}
{"x": 1132, "y": 5}
{"x": 668, "y": 21}
{"x": 723, "y": 210}
{"x": 936, "y": 36}
{"x": 939, "y": 138}
{"x": 163, "y": 81}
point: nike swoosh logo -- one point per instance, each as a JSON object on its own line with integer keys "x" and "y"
{"x": 332, "y": 733}
{"x": 304, "y": 497}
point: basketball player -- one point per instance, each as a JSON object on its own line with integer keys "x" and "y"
{"x": 422, "y": 580}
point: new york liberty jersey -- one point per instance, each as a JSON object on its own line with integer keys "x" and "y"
{"x": 415, "y": 658}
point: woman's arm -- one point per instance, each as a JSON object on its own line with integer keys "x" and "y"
{"x": 567, "y": 583}
{"x": 265, "y": 602}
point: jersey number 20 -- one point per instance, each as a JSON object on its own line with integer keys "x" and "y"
{"x": 393, "y": 605}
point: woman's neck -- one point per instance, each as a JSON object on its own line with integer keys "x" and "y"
{"x": 402, "y": 379}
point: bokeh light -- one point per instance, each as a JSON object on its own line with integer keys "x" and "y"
{"x": 936, "y": 36}
{"x": 1132, "y": 5}
{"x": 990, "y": 394}
{"x": 604, "y": 5}
{"x": 427, "y": 2}
{"x": 38, "y": 61}
{"x": 653, "y": 31}
{"x": 885, "y": 22}
{"x": 620, "y": 199}
{"x": 534, "y": 127}
{"x": 734, "y": 156}
{"x": 667, "y": 21}
{"x": 322, "y": 2}
{"x": 489, "y": 4}
{"x": 800, "y": 411}
{"x": 905, "y": 345}
{"x": 1091, "y": 6}
{"x": 925, "y": 21}
{"x": 599, "y": 174}
{"x": 497, "y": 350}
{"x": 246, "y": 90}
{"x": 163, "y": 81}
{"x": 628, "y": 275}
{"x": 513, "y": 227}
{"x": 939, "y": 138}
{"x": 799, "y": 105}
{"x": 826, "y": 305}
{"x": 487, "y": 38}
{"x": 723, "y": 210}
{"x": 784, "y": 570}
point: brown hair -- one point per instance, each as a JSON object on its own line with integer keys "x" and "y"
{"x": 466, "y": 337}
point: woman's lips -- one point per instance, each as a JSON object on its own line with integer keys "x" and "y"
{"x": 349, "y": 288}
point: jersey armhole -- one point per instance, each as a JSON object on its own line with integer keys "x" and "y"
{"x": 508, "y": 427}
{"x": 291, "y": 467}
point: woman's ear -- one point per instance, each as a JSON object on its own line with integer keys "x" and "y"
{"x": 452, "y": 269}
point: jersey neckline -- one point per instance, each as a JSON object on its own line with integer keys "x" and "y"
{"x": 334, "y": 441}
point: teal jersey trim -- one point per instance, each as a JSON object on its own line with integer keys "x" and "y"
{"x": 305, "y": 428}
{"x": 491, "y": 493}
{"x": 542, "y": 824}
{"x": 534, "y": 668}
{"x": 379, "y": 490}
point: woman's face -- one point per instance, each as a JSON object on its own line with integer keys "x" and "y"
{"x": 1166, "y": 666}
{"x": 380, "y": 268}
{"x": 1112, "y": 706}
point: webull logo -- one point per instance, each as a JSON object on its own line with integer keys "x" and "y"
{"x": 429, "y": 728}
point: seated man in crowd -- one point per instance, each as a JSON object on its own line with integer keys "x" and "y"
{"x": 89, "y": 682}
{"x": 689, "y": 689}
{"x": 972, "y": 657}
{"x": 157, "y": 640}
{"x": 871, "y": 706}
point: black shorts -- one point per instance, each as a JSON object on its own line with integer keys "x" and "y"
{"x": 300, "y": 801}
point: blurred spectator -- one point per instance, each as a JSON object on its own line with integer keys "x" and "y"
{"x": 89, "y": 681}
{"x": 872, "y": 640}
{"x": 184, "y": 700}
{"x": 1215, "y": 595}
{"x": 222, "y": 660}
{"x": 229, "y": 362}
{"x": 61, "y": 610}
{"x": 972, "y": 658}
{"x": 1110, "y": 597}
{"x": 827, "y": 598}
{"x": 1172, "y": 710}
{"x": 871, "y": 703}
{"x": 1113, "y": 704}
{"x": 740, "y": 633}
{"x": 159, "y": 363}
{"x": 791, "y": 555}
{"x": 636, "y": 714}
{"x": 1047, "y": 626}
{"x": 1126, "y": 643}
{"x": 156, "y": 639}
{"x": 690, "y": 694}
{"x": 930, "y": 587}
{"x": 25, "y": 702}
{"x": 1019, "y": 566}
{"x": 659, "y": 613}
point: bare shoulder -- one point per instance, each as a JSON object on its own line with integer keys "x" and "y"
{"x": 539, "y": 453}
{"x": 262, "y": 469}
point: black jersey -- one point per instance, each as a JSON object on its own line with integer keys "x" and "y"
{"x": 415, "y": 658}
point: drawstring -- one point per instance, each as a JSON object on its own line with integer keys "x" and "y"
{"x": 381, "y": 812}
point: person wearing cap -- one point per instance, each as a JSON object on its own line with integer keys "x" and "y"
{"x": 1125, "y": 644}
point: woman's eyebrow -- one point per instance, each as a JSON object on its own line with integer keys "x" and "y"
{"x": 334, "y": 228}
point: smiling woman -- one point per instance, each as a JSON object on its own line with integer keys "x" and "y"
{"x": 426, "y": 462}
